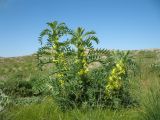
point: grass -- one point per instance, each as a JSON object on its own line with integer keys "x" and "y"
{"x": 145, "y": 87}
{"x": 47, "y": 110}
{"x": 151, "y": 103}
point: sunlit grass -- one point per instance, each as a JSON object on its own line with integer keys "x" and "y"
{"x": 145, "y": 88}
{"x": 48, "y": 110}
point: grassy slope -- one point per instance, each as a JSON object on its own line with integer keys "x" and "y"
{"x": 24, "y": 67}
{"x": 17, "y": 66}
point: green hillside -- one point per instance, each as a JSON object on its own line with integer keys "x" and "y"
{"x": 20, "y": 76}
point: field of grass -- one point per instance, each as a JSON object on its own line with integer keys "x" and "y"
{"x": 145, "y": 88}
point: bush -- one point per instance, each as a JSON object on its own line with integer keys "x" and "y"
{"x": 4, "y": 100}
{"x": 34, "y": 86}
{"x": 74, "y": 84}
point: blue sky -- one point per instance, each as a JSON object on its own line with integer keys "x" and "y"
{"x": 119, "y": 24}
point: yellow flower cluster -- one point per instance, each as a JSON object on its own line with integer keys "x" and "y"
{"x": 54, "y": 47}
{"x": 61, "y": 83}
{"x": 60, "y": 60}
{"x": 83, "y": 54}
{"x": 115, "y": 78}
{"x": 60, "y": 77}
{"x": 83, "y": 71}
{"x": 84, "y": 62}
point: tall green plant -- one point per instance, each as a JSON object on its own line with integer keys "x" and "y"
{"x": 53, "y": 47}
{"x": 83, "y": 41}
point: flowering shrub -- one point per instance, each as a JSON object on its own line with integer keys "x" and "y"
{"x": 73, "y": 83}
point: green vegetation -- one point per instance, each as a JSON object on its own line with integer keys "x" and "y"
{"x": 143, "y": 86}
{"x": 78, "y": 82}
{"x": 71, "y": 80}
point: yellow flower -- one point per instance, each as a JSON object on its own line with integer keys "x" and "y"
{"x": 118, "y": 65}
{"x": 83, "y": 61}
{"x": 120, "y": 78}
{"x": 86, "y": 71}
{"x": 83, "y": 54}
{"x": 59, "y": 75}
{"x": 83, "y": 71}
{"x": 116, "y": 85}
{"x": 61, "y": 83}
{"x": 55, "y": 61}
{"x": 110, "y": 78}
{"x": 54, "y": 46}
{"x": 113, "y": 71}
{"x": 109, "y": 87}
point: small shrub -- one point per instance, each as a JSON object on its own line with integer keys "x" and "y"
{"x": 34, "y": 86}
{"x": 4, "y": 100}
{"x": 40, "y": 85}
